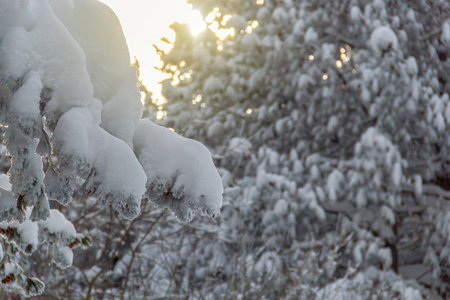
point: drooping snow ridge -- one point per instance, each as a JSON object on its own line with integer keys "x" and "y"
{"x": 119, "y": 179}
{"x": 180, "y": 173}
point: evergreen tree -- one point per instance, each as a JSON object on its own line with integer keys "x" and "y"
{"x": 329, "y": 120}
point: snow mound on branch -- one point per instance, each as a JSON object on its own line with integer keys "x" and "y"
{"x": 116, "y": 185}
{"x": 113, "y": 79}
{"x": 34, "y": 39}
{"x": 116, "y": 176}
{"x": 180, "y": 172}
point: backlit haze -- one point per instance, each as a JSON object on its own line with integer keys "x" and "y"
{"x": 144, "y": 23}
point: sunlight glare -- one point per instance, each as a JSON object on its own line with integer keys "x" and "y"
{"x": 198, "y": 98}
{"x": 143, "y": 96}
{"x": 144, "y": 23}
{"x": 345, "y": 58}
{"x": 175, "y": 80}
{"x": 225, "y": 19}
{"x": 214, "y": 26}
{"x": 210, "y": 17}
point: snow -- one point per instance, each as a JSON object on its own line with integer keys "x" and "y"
{"x": 418, "y": 185}
{"x": 305, "y": 80}
{"x": 10, "y": 268}
{"x": 333, "y": 123}
{"x": 70, "y": 137}
{"x": 57, "y": 57}
{"x": 382, "y": 39}
{"x": 213, "y": 85}
{"x": 4, "y": 182}
{"x": 379, "y": 4}
{"x": 240, "y": 145}
{"x": 67, "y": 86}
{"x": 26, "y": 234}
{"x": 311, "y": 35}
{"x": 386, "y": 257}
{"x": 251, "y": 42}
{"x": 58, "y": 224}
{"x": 24, "y": 109}
{"x": 397, "y": 174}
{"x": 439, "y": 122}
{"x": 361, "y": 199}
{"x": 115, "y": 184}
{"x": 119, "y": 116}
{"x": 355, "y": 14}
{"x": 8, "y": 207}
{"x": 119, "y": 179}
{"x": 281, "y": 208}
{"x": 411, "y": 66}
{"x": 298, "y": 28}
{"x": 62, "y": 257}
{"x": 333, "y": 183}
{"x": 215, "y": 130}
{"x": 280, "y": 15}
{"x": 388, "y": 214}
{"x": 92, "y": 108}
{"x": 445, "y": 36}
{"x": 180, "y": 172}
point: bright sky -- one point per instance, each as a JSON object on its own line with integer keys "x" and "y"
{"x": 144, "y": 23}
